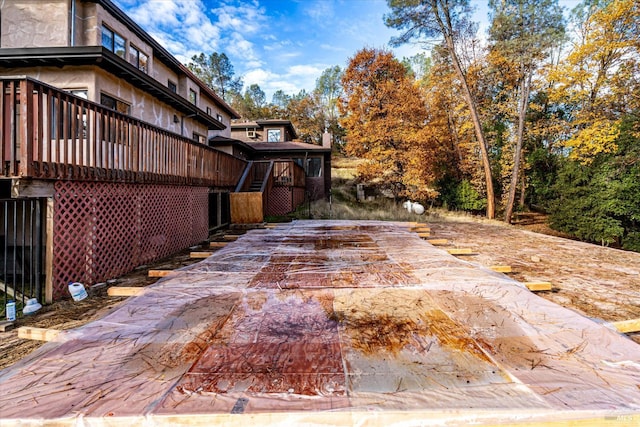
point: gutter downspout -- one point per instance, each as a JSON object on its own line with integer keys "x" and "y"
{"x": 73, "y": 23}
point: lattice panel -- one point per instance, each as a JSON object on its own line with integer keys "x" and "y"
{"x": 279, "y": 201}
{"x": 103, "y": 230}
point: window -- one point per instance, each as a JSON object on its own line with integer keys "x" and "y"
{"x": 113, "y": 41}
{"x": 138, "y": 59}
{"x": 314, "y": 167}
{"x": 219, "y": 118}
{"x": 198, "y": 138}
{"x": 115, "y": 104}
{"x": 172, "y": 86}
{"x": 193, "y": 98}
{"x": 273, "y": 135}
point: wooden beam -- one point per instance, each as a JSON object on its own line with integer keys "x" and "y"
{"x": 231, "y": 237}
{"x": 38, "y": 334}
{"x": 538, "y": 286}
{"x": 501, "y": 268}
{"x": 421, "y": 229}
{"x": 438, "y": 242}
{"x": 424, "y": 235}
{"x": 159, "y": 273}
{"x": 16, "y": 295}
{"x": 218, "y": 244}
{"x": 461, "y": 251}
{"x": 200, "y": 254}
{"x": 31, "y": 188}
{"x": 124, "y": 291}
{"x": 5, "y": 326}
{"x": 626, "y": 326}
{"x": 48, "y": 250}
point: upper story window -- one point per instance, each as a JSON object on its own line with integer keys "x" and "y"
{"x": 116, "y": 104}
{"x": 137, "y": 58}
{"x": 273, "y": 135}
{"x": 172, "y": 86}
{"x": 113, "y": 41}
{"x": 199, "y": 138}
{"x": 193, "y": 97}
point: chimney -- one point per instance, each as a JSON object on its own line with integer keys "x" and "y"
{"x": 326, "y": 139}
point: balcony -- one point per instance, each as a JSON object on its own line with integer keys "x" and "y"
{"x": 48, "y": 134}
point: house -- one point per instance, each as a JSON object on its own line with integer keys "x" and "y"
{"x": 105, "y": 161}
{"x": 300, "y": 170}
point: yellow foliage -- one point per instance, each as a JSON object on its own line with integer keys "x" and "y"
{"x": 598, "y": 137}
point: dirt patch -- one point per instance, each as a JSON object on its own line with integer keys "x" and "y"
{"x": 69, "y": 314}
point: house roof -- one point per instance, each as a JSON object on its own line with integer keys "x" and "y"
{"x": 162, "y": 54}
{"x": 107, "y": 60}
{"x": 289, "y": 146}
{"x": 262, "y": 123}
{"x": 264, "y": 147}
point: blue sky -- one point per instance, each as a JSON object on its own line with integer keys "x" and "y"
{"x": 278, "y": 44}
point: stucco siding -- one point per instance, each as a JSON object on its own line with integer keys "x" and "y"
{"x": 34, "y": 23}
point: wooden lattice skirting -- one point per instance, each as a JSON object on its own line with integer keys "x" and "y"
{"x": 103, "y": 230}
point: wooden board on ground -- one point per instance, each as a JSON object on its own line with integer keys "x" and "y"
{"x": 501, "y": 268}
{"x": 124, "y": 291}
{"x": 461, "y": 251}
{"x": 626, "y": 326}
{"x": 218, "y": 244}
{"x": 424, "y": 235}
{"x": 438, "y": 242}
{"x": 5, "y": 326}
{"x": 538, "y": 286}
{"x": 231, "y": 237}
{"x": 159, "y": 273}
{"x": 421, "y": 229}
{"x": 38, "y": 334}
{"x": 200, "y": 254}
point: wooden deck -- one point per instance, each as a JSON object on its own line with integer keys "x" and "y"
{"x": 50, "y": 134}
{"x": 334, "y": 322}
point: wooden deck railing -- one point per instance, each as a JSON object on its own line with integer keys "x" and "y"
{"x": 50, "y": 134}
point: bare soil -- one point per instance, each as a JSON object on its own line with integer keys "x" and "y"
{"x": 601, "y": 283}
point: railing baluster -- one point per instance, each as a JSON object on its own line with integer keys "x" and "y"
{"x": 47, "y": 133}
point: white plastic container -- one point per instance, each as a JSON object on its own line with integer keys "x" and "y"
{"x": 11, "y": 311}
{"x": 31, "y": 307}
{"x": 77, "y": 291}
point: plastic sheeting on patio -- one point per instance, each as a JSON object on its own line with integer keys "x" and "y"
{"x": 329, "y": 322}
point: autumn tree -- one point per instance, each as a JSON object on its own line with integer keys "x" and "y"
{"x": 384, "y": 117}
{"x": 217, "y": 72}
{"x": 522, "y": 35}
{"x": 448, "y": 20}
{"x": 305, "y": 112}
{"x": 598, "y": 82}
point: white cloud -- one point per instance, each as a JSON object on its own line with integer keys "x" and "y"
{"x": 320, "y": 11}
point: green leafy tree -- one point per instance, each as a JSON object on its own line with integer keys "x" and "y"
{"x": 522, "y": 34}
{"x": 217, "y": 72}
{"x": 599, "y": 201}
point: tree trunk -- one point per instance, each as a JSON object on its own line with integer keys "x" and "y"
{"x": 475, "y": 118}
{"x": 522, "y": 111}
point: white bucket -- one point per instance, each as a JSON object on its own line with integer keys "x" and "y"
{"x": 32, "y": 306}
{"x": 77, "y": 291}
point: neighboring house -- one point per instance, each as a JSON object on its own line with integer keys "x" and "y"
{"x": 274, "y": 140}
{"x": 105, "y": 161}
